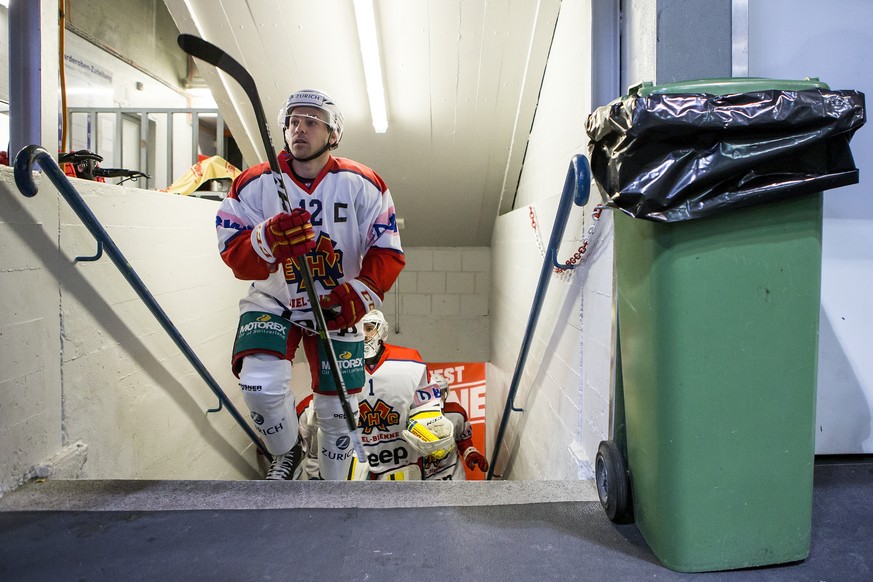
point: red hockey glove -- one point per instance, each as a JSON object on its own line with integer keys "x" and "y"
{"x": 284, "y": 236}
{"x": 473, "y": 458}
{"x": 353, "y": 300}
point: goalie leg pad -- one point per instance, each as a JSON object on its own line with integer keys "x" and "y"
{"x": 264, "y": 382}
{"x": 336, "y": 450}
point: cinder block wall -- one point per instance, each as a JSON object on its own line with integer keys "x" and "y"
{"x": 440, "y": 303}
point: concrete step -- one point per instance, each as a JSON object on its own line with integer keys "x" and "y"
{"x": 154, "y": 495}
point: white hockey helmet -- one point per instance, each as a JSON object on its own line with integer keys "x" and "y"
{"x": 319, "y": 100}
{"x": 440, "y": 381}
{"x": 375, "y": 332}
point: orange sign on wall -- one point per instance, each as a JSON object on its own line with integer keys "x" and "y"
{"x": 467, "y": 383}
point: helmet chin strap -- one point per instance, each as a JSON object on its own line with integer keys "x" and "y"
{"x": 327, "y": 146}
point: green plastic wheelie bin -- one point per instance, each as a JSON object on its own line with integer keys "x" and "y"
{"x": 713, "y": 448}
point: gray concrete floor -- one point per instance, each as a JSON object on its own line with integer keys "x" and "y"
{"x": 380, "y": 531}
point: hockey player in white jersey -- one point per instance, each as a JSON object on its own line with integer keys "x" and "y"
{"x": 400, "y": 416}
{"x": 451, "y": 467}
{"x": 343, "y": 224}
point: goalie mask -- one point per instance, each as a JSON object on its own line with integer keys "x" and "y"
{"x": 375, "y": 332}
{"x": 319, "y": 100}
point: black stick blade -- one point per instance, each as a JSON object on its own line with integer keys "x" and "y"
{"x": 208, "y": 52}
{"x": 211, "y": 54}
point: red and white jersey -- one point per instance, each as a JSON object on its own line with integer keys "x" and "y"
{"x": 452, "y": 466}
{"x": 355, "y": 233}
{"x": 384, "y": 404}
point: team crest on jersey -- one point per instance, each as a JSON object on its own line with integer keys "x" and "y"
{"x": 377, "y": 417}
{"x": 325, "y": 264}
{"x": 379, "y": 228}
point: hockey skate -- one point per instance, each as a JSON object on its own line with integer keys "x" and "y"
{"x": 283, "y": 466}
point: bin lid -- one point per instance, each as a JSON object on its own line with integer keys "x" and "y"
{"x": 727, "y": 86}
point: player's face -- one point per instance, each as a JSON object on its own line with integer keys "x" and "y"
{"x": 307, "y": 131}
{"x": 369, "y": 330}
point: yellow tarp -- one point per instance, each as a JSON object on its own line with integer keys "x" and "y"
{"x": 199, "y": 173}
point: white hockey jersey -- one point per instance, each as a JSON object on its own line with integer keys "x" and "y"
{"x": 388, "y": 392}
{"x": 355, "y": 233}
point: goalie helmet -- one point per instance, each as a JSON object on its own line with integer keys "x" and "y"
{"x": 319, "y": 100}
{"x": 375, "y": 332}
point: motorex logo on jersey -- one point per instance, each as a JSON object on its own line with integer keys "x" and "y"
{"x": 261, "y": 331}
{"x": 325, "y": 263}
{"x": 345, "y": 364}
{"x": 261, "y": 323}
{"x": 350, "y": 364}
{"x": 379, "y": 417}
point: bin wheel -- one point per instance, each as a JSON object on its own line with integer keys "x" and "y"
{"x": 612, "y": 482}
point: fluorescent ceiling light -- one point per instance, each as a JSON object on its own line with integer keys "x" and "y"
{"x": 372, "y": 64}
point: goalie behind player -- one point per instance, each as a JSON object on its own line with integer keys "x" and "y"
{"x": 401, "y": 417}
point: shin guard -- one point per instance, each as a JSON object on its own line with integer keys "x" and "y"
{"x": 336, "y": 449}
{"x": 265, "y": 382}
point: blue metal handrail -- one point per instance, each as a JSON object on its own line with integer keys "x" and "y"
{"x": 577, "y": 187}
{"x": 24, "y": 180}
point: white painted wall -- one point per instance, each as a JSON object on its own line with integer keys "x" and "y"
{"x": 565, "y": 386}
{"x": 87, "y": 371}
{"x": 793, "y": 39}
{"x": 30, "y": 374}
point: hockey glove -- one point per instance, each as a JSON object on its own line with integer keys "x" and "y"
{"x": 473, "y": 458}
{"x": 428, "y": 431}
{"x": 284, "y": 236}
{"x": 349, "y": 303}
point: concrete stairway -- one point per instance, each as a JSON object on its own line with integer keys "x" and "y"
{"x": 140, "y": 495}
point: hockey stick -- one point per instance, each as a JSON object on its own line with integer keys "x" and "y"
{"x": 209, "y": 53}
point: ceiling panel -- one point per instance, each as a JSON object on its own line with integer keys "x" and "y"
{"x": 461, "y": 77}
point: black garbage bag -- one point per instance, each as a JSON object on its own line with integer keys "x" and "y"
{"x": 670, "y": 156}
